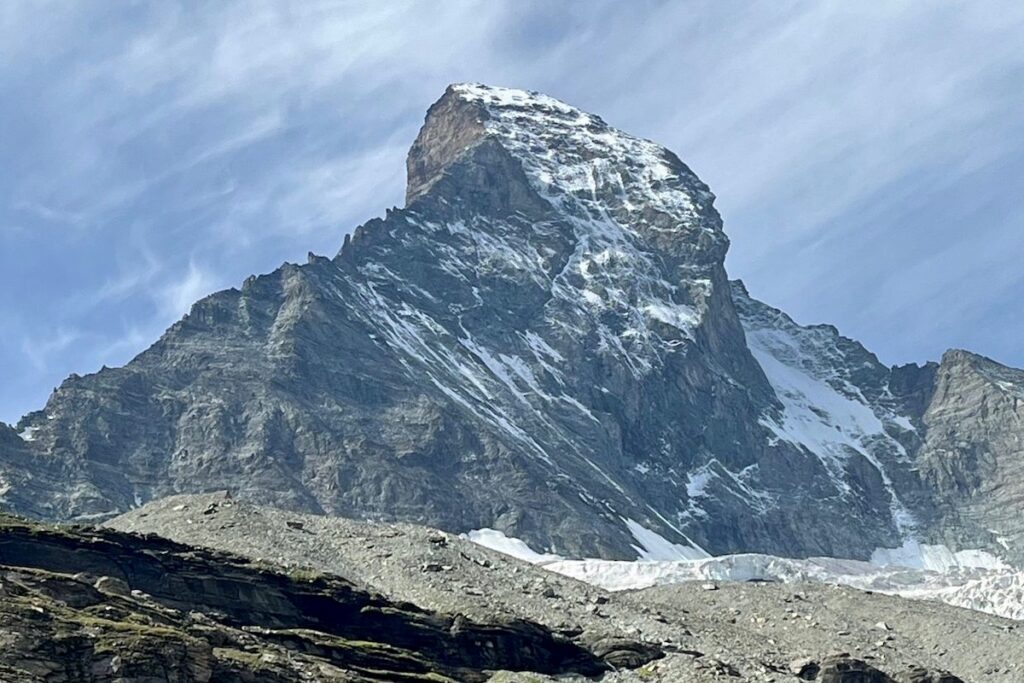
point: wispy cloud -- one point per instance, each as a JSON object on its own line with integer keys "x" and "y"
{"x": 39, "y": 351}
{"x": 49, "y": 214}
{"x": 178, "y": 296}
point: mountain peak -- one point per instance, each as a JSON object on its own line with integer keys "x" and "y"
{"x": 494, "y": 97}
{"x": 545, "y": 343}
{"x": 572, "y": 161}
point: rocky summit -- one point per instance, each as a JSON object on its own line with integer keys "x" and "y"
{"x": 542, "y": 342}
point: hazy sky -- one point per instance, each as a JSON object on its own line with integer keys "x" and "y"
{"x": 868, "y": 157}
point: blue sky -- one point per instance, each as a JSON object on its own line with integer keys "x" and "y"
{"x": 868, "y": 157}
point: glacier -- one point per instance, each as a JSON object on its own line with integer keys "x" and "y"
{"x": 972, "y": 579}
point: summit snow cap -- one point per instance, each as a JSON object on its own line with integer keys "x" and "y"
{"x": 577, "y": 163}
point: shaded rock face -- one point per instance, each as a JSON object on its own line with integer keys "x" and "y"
{"x": 973, "y": 452}
{"x": 543, "y": 341}
{"x": 89, "y": 605}
{"x": 845, "y": 669}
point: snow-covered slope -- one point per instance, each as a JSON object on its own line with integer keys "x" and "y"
{"x": 824, "y": 412}
{"x": 839, "y": 404}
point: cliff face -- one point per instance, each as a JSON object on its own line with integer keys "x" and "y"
{"x": 973, "y": 453}
{"x": 543, "y": 341}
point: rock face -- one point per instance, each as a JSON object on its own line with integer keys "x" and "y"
{"x": 543, "y": 341}
{"x": 973, "y": 452}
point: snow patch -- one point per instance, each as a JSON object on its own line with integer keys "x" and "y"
{"x": 496, "y": 366}
{"x": 541, "y": 347}
{"x": 508, "y": 545}
{"x": 653, "y": 546}
{"x": 681, "y": 317}
{"x": 904, "y": 423}
{"x": 1011, "y": 388}
{"x": 698, "y": 481}
{"x": 937, "y": 558}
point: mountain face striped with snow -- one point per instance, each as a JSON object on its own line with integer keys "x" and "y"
{"x": 543, "y": 342}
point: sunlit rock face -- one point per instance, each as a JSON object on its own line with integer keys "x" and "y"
{"x": 543, "y": 342}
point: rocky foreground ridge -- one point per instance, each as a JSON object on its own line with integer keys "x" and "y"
{"x": 543, "y": 341}
{"x": 708, "y": 630}
{"x": 84, "y": 605}
{"x": 91, "y": 605}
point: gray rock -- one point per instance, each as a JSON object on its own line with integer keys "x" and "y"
{"x": 972, "y": 458}
{"x": 845, "y": 669}
{"x": 112, "y": 586}
{"x": 919, "y": 674}
{"x": 805, "y": 668}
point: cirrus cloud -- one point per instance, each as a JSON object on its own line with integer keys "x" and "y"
{"x": 865, "y": 155}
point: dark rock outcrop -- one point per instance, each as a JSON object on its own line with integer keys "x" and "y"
{"x": 92, "y": 605}
{"x": 922, "y": 675}
{"x": 843, "y": 668}
{"x": 846, "y": 669}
